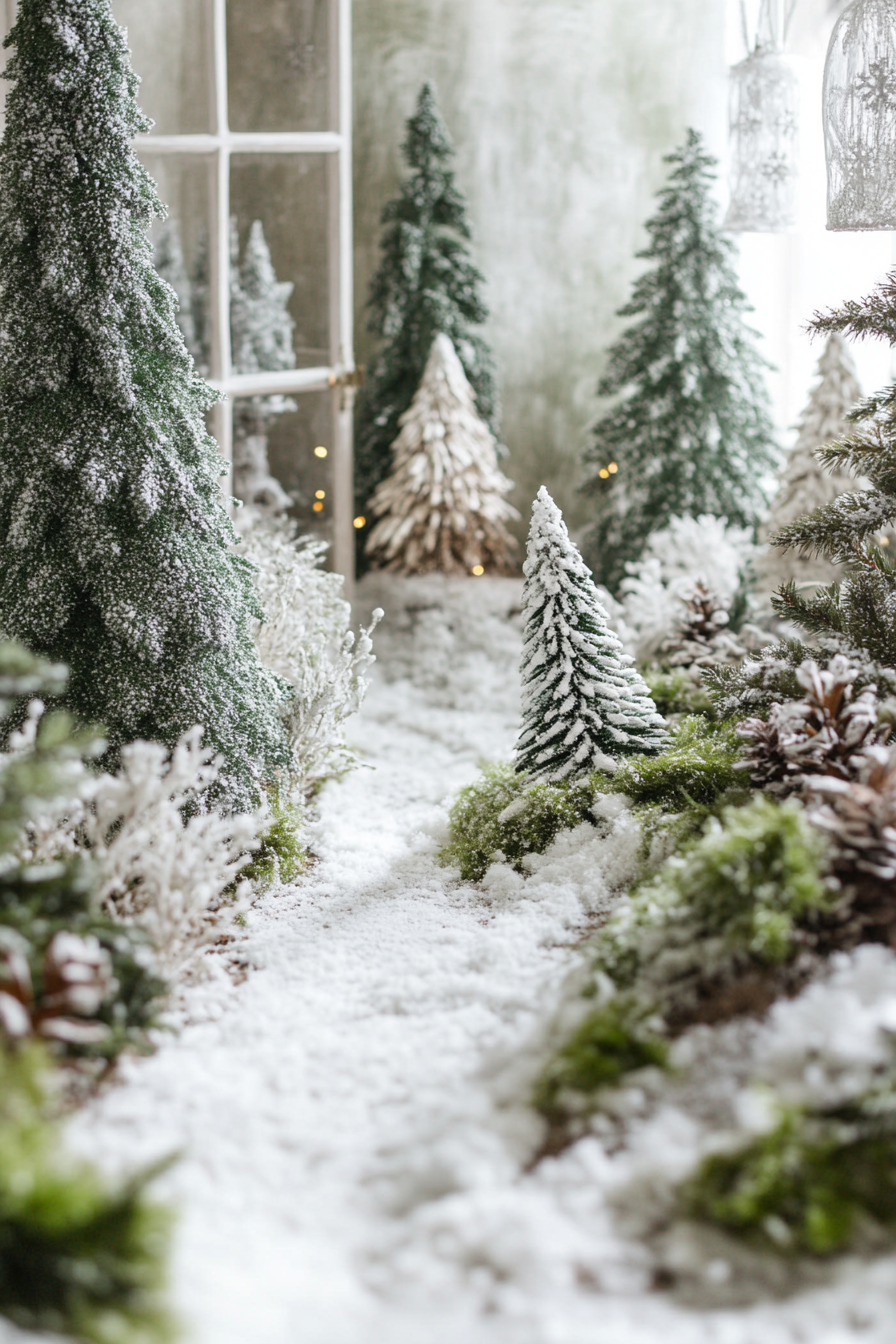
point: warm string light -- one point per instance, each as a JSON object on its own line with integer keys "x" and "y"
{"x": 320, "y": 452}
{"x": 318, "y": 507}
{"x": 359, "y": 522}
{"x": 478, "y": 569}
{"x": 606, "y": 472}
{"x": 320, "y": 494}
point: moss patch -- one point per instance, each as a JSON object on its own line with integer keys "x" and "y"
{"x": 811, "y": 1184}
{"x": 503, "y": 816}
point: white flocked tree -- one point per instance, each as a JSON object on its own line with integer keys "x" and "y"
{"x": 804, "y": 483}
{"x": 443, "y": 507}
{"x": 584, "y": 703}
{"x": 262, "y": 338}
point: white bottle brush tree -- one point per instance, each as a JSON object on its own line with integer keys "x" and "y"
{"x": 116, "y": 551}
{"x": 262, "y": 337}
{"x": 806, "y": 484}
{"x": 443, "y": 506}
{"x": 584, "y": 703}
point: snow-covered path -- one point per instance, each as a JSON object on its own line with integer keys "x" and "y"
{"x": 353, "y": 1117}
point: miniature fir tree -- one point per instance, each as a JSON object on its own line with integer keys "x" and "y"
{"x": 804, "y": 484}
{"x": 584, "y": 704}
{"x": 425, "y": 284}
{"x": 115, "y": 547}
{"x": 692, "y": 431}
{"x": 443, "y": 506}
{"x": 262, "y": 342}
{"x": 851, "y": 529}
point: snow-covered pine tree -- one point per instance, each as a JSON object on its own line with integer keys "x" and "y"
{"x": 115, "y": 546}
{"x": 692, "y": 432}
{"x": 584, "y": 703}
{"x": 168, "y": 259}
{"x": 851, "y": 529}
{"x": 443, "y": 505}
{"x": 804, "y": 483}
{"x": 425, "y": 284}
{"x": 262, "y": 342}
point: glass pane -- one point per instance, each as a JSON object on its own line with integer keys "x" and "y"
{"x": 279, "y": 440}
{"x": 277, "y": 64}
{"x": 171, "y": 52}
{"x": 180, "y": 242}
{"x": 288, "y": 194}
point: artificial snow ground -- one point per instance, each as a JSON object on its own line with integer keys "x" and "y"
{"x": 352, "y": 1118}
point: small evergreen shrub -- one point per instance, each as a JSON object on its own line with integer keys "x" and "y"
{"x": 736, "y": 897}
{"x": 504, "y": 816}
{"x": 76, "y": 1257}
{"x": 615, "y": 1039}
{"x": 811, "y": 1183}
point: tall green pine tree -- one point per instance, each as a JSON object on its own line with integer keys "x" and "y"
{"x": 853, "y": 529}
{"x": 425, "y": 284}
{"x": 691, "y": 430}
{"x": 115, "y": 546}
{"x": 584, "y": 704}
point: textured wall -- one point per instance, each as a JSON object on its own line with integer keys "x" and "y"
{"x": 561, "y": 111}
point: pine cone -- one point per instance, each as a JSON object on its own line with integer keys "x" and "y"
{"x": 77, "y": 977}
{"x": 702, "y": 639}
{"x": 825, "y": 733}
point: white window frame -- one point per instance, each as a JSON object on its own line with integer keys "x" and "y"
{"x": 340, "y": 375}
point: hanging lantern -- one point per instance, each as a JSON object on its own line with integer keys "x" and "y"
{"x": 764, "y": 127}
{"x": 860, "y": 117}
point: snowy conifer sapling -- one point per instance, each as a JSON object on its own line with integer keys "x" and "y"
{"x": 692, "y": 430}
{"x": 261, "y": 330}
{"x": 115, "y": 547}
{"x": 443, "y": 506}
{"x": 425, "y": 284}
{"x": 584, "y": 704}
{"x": 804, "y": 483}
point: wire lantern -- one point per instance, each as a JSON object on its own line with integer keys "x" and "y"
{"x": 860, "y": 117}
{"x": 764, "y": 124}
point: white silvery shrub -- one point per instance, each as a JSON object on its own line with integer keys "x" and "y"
{"x": 306, "y": 639}
{"x": 687, "y": 552}
{"x": 164, "y": 873}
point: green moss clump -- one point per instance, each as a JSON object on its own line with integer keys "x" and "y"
{"x": 675, "y": 693}
{"x": 75, "y": 1257}
{"x": 810, "y": 1184}
{"x": 695, "y": 770}
{"x": 738, "y": 895}
{"x": 615, "y": 1039}
{"x": 281, "y": 855}
{"x": 503, "y": 815}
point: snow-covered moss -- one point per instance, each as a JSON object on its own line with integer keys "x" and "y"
{"x": 674, "y": 692}
{"x": 737, "y": 897}
{"x": 814, "y": 1183}
{"x": 615, "y": 1039}
{"x": 696, "y": 769}
{"x": 281, "y": 856}
{"x": 503, "y": 816}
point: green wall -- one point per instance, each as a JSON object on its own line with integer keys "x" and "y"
{"x": 560, "y": 111}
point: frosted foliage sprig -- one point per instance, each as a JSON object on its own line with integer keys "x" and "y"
{"x": 305, "y": 639}
{"x": 584, "y": 704}
{"x": 167, "y": 875}
{"x": 442, "y": 507}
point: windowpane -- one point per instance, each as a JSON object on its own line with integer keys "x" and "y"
{"x": 291, "y": 439}
{"x": 181, "y": 242}
{"x": 277, "y": 57}
{"x": 171, "y": 51}
{"x": 288, "y": 194}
